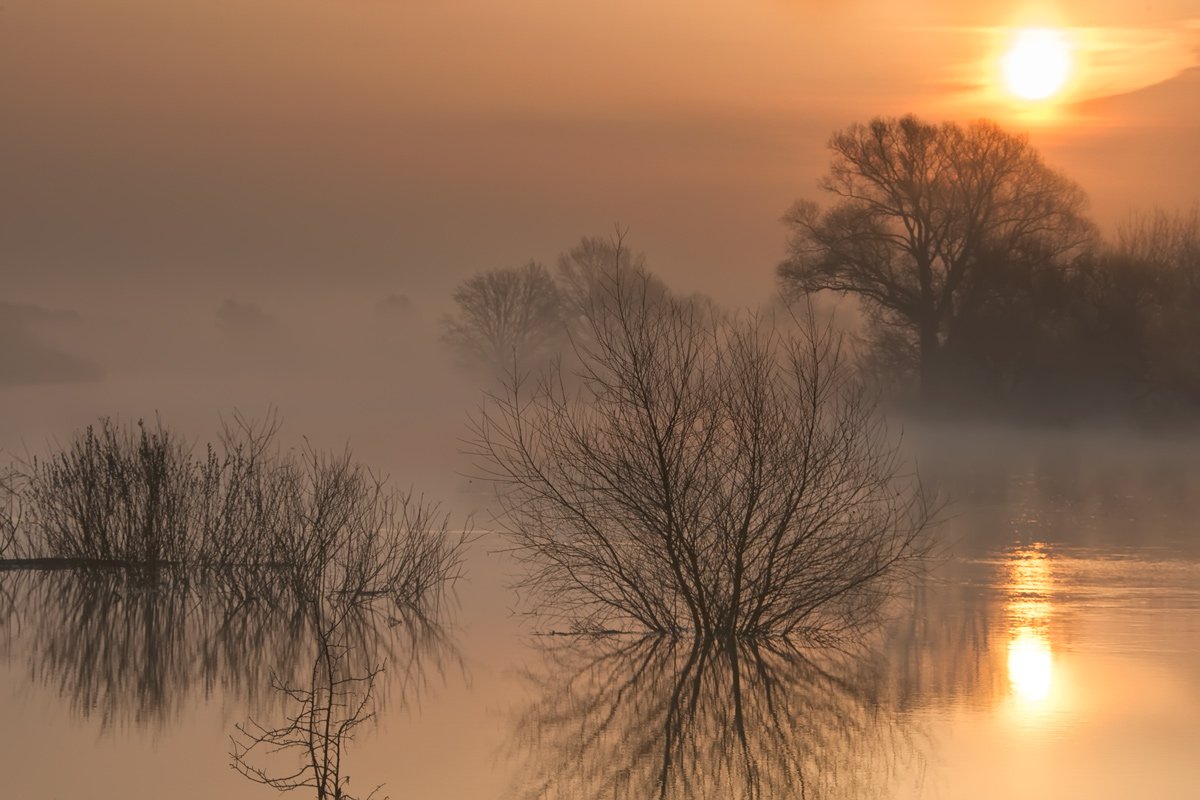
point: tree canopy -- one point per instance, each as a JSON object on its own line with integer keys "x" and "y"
{"x": 505, "y": 317}
{"x": 920, "y": 213}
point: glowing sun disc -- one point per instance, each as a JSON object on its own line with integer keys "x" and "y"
{"x": 1037, "y": 64}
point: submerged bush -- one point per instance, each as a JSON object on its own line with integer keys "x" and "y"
{"x": 10, "y": 513}
{"x": 116, "y": 494}
{"x": 353, "y": 536}
{"x": 696, "y": 472}
{"x": 324, "y": 524}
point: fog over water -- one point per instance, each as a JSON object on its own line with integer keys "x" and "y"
{"x": 1053, "y": 651}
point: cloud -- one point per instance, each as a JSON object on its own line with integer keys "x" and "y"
{"x": 25, "y": 360}
{"x": 29, "y": 314}
{"x": 241, "y": 319}
{"x": 1121, "y": 60}
{"x": 1106, "y": 61}
{"x": 394, "y": 306}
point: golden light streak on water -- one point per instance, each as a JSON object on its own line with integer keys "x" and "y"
{"x": 1028, "y": 610}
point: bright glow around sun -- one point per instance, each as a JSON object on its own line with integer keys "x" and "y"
{"x": 1037, "y": 64}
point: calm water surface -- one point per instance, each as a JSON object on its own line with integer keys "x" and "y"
{"x": 1054, "y": 653}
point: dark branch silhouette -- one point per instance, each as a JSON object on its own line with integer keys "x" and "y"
{"x": 10, "y": 512}
{"x": 713, "y": 475}
{"x": 147, "y": 573}
{"x": 114, "y": 496}
{"x": 919, "y": 210}
{"x": 322, "y": 714}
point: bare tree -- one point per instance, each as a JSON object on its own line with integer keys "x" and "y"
{"x": 505, "y": 317}
{"x": 918, "y": 209}
{"x": 713, "y": 475}
{"x": 585, "y": 269}
{"x": 320, "y": 725}
{"x": 343, "y": 692}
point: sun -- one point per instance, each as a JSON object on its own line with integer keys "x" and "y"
{"x": 1037, "y": 64}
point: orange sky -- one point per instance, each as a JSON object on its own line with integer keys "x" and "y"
{"x": 393, "y": 145}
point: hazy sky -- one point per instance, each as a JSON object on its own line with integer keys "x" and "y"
{"x": 264, "y": 149}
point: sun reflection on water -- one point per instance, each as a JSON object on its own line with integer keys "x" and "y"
{"x": 1030, "y": 665}
{"x": 1030, "y": 655}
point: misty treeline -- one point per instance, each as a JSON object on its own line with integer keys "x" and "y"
{"x": 981, "y": 284}
{"x": 982, "y": 276}
{"x": 241, "y": 508}
{"x": 516, "y": 319}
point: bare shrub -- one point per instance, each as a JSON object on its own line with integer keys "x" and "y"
{"x": 322, "y": 523}
{"x": 717, "y": 475}
{"x": 353, "y": 536}
{"x": 244, "y": 495}
{"x": 141, "y": 496}
{"x": 10, "y": 512}
{"x": 114, "y": 494}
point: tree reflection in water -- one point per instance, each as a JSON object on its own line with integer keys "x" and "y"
{"x": 138, "y": 647}
{"x": 665, "y": 718}
{"x": 135, "y": 646}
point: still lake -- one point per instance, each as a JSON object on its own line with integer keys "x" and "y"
{"x": 1053, "y": 652}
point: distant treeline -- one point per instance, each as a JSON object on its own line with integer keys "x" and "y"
{"x": 1115, "y": 330}
{"x": 984, "y": 285}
